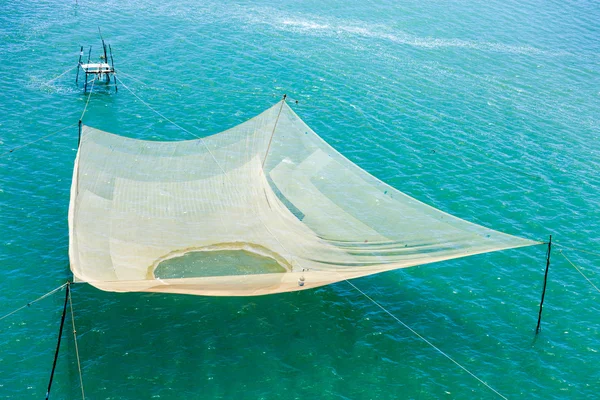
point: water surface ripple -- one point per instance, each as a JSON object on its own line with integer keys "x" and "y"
{"x": 486, "y": 110}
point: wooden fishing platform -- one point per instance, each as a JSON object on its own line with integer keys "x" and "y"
{"x": 100, "y": 71}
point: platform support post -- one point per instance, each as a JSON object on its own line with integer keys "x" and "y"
{"x": 112, "y": 62}
{"x": 79, "y": 65}
{"x": 86, "y": 72}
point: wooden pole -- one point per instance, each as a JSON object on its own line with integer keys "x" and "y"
{"x": 103, "y": 46}
{"x": 86, "y": 71}
{"x": 60, "y": 331}
{"x": 79, "y": 64}
{"x": 112, "y": 61}
{"x": 537, "y": 329}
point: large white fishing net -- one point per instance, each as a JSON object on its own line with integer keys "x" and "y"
{"x": 264, "y": 207}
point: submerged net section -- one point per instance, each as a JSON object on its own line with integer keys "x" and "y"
{"x": 264, "y": 207}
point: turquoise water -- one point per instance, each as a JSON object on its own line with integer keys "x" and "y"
{"x": 217, "y": 262}
{"x": 486, "y": 110}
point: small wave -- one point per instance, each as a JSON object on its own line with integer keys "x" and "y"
{"x": 305, "y": 24}
{"x": 345, "y": 28}
{"x": 38, "y": 83}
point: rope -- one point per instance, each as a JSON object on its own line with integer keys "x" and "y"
{"x": 37, "y": 140}
{"x": 36, "y": 300}
{"x": 88, "y": 100}
{"x": 60, "y": 331}
{"x": 53, "y": 79}
{"x": 158, "y": 113}
{"x": 425, "y": 340}
{"x": 273, "y": 133}
{"x": 578, "y": 270}
{"x": 76, "y": 347}
{"x": 133, "y": 78}
{"x": 581, "y": 250}
{"x": 177, "y": 125}
{"x": 210, "y": 89}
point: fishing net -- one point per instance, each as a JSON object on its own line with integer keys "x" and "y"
{"x": 264, "y": 207}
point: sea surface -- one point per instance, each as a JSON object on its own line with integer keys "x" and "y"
{"x": 488, "y": 110}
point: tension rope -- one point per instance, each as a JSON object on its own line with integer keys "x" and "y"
{"x": 60, "y": 331}
{"x": 578, "y": 270}
{"x": 88, "y": 100}
{"x": 69, "y": 300}
{"x": 76, "y": 347}
{"x": 211, "y": 89}
{"x": 61, "y": 129}
{"x": 157, "y": 112}
{"x": 177, "y": 125}
{"x": 425, "y": 340}
{"x": 34, "y": 301}
{"x": 273, "y": 132}
{"x": 37, "y": 140}
{"x": 576, "y": 249}
{"x": 59, "y": 76}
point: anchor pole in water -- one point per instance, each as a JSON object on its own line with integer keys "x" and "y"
{"x": 537, "y": 329}
{"x": 79, "y": 65}
{"x": 62, "y": 324}
{"x": 113, "y": 68}
{"x": 86, "y": 70}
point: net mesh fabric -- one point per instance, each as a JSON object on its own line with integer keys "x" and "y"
{"x": 264, "y": 207}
